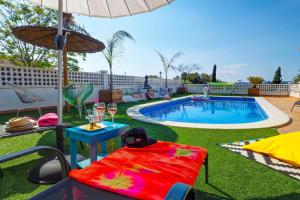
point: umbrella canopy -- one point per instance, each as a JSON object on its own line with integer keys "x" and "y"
{"x": 104, "y": 8}
{"x": 99, "y": 8}
{"x": 45, "y": 37}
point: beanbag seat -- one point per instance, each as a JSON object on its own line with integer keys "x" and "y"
{"x": 285, "y": 147}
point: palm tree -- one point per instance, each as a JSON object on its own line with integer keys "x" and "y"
{"x": 168, "y": 63}
{"x": 114, "y": 46}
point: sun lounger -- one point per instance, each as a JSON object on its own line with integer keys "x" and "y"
{"x": 147, "y": 172}
{"x": 71, "y": 188}
{"x": 129, "y": 98}
{"x": 133, "y": 94}
{"x": 297, "y": 103}
{"x": 163, "y": 93}
{"x": 150, "y": 94}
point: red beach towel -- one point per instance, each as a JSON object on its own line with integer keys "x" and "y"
{"x": 49, "y": 119}
{"x": 144, "y": 173}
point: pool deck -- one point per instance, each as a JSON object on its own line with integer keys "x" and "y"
{"x": 285, "y": 104}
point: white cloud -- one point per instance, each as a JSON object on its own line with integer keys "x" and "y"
{"x": 231, "y": 70}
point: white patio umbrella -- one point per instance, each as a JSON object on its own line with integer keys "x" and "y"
{"x": 97, "y": 8}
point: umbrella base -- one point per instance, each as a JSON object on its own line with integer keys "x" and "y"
{"x": 48, "y": 170}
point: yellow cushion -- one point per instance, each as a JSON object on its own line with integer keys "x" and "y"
{"x": 285, "y": 147}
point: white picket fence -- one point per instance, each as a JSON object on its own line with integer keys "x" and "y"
{"x": 242, "y": 89}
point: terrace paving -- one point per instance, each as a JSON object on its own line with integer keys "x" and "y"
{"x": 285, "y": 104}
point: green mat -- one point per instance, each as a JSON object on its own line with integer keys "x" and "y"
{"x": 220, "y": 84}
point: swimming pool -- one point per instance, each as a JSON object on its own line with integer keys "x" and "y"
{"x": 217, "y": 112}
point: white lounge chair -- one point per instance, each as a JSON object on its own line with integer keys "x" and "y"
{"x": 133, "y": 94}
{"x": 27, "y": 97}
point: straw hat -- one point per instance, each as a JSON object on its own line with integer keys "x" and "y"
{"x": 19, "y": 124}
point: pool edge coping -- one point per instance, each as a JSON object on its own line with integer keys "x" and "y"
{"x": 276, "y": 117}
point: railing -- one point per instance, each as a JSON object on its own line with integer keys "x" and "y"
{"x": 242, "y": 89}
{"x": 274, "y": 89}
{"x": 125, "y": 81}
{"x": 295, "y": 90}
{"x": 295, "y": 87}
{"x": 234, "y": 89}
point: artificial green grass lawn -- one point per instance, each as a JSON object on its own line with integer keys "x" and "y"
{"x": 230, "y": 176}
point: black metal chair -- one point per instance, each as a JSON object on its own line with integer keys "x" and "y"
{"x": 65, "y": 167}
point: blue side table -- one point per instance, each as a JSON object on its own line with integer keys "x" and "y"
{"x": 92, "y": 138}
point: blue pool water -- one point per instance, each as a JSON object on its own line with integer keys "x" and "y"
{"x": 218, "y": 110}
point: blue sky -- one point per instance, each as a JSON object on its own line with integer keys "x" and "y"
{"x": 243, "y": 37}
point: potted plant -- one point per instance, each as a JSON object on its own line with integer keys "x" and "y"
{"x": 112, "y": 51}
{"x": 254, "y": 80}
{"x": 182, "y": 89}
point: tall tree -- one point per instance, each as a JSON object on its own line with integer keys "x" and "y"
{"x": 153, "y": 76}
{"x": 19, "y": 13}
{"x": 197, "y": 78}
{"x": 114, "y": 49}
{"x": 184, "y": 77}
{"x": 194, "y": 78}
{"x": 205, "y": 78}
{"x": 167, "y": 64}
{"x": 214, "y": 74}
{"x": 185, "y": 70}
{"x": 277, "y": 76}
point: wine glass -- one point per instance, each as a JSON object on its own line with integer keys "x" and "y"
{"x": 112, "y": 110}
{"x": 90, "y": 116}
{"x": 100, "y": 109}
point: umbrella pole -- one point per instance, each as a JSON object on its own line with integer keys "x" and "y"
{"x": 60, "y": 45}
{"x": 65, "y": 58}
{"x": 66, "y": 78}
